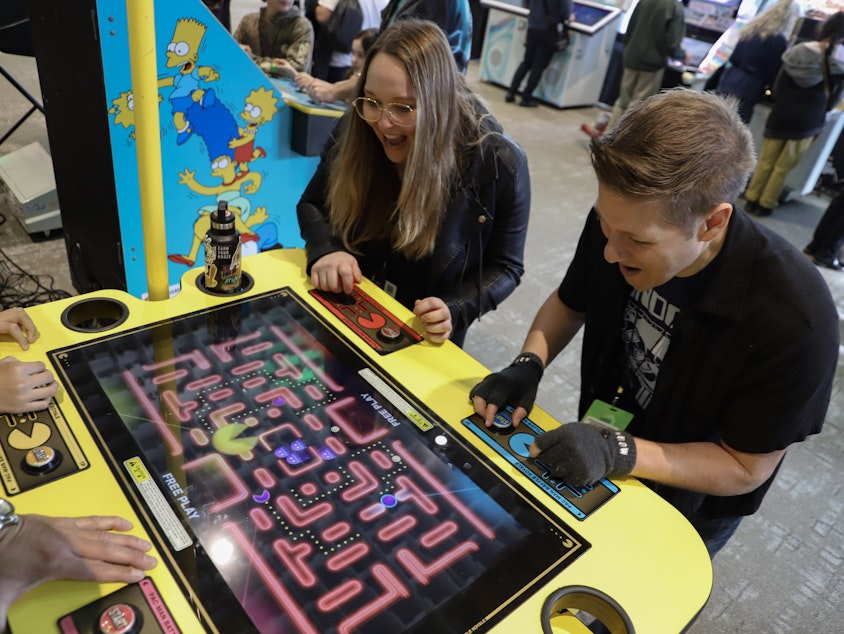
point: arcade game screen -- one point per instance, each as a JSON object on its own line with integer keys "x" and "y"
{"x": 696, "y": 51}
{"x": 589, "y": 15}
{"x": 292, "y": 486}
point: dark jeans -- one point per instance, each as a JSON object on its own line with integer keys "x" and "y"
{"x": 539, "y": 48}
{"x": 829, "y": 234}
{"x": 715, "y": 533}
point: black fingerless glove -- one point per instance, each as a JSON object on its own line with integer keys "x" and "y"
{"x": 516, "y": 384}
{"x": 583, "y": 453}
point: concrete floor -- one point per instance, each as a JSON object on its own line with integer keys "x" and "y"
{"x": 783, "y": 570}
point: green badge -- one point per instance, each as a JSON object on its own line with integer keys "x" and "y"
{"x": 601, "y": 412}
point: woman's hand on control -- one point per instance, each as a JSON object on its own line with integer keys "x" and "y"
{"x": 337, "y": 272}
{"x": 435, "y": 317}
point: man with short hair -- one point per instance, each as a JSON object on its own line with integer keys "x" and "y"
{"x": 718, "y": 337}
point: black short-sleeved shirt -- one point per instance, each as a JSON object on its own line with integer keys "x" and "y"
{"x": 751, "y": 360}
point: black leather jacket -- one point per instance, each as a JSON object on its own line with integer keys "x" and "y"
{"x": 479, "y": 255}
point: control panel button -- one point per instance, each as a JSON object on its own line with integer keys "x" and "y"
{"x": 41, "y": 459}
{"x": 120, "y": 618}
{"x": 389, "y": 333}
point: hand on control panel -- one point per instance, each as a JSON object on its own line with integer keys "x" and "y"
{"x": 24, "y": 386}
{"x": 435, "y": 317}
{"x": 37, "y": 549}
{"x": 583, "y": 453}
{"x": 15, "y": 323}
{"x": 337, "y": 272}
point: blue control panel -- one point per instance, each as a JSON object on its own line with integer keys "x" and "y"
{"x": 512, "y": 443}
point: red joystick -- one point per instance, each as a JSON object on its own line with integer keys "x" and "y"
{"x": 389, "y": 333}
{"x": 120, "y": 618}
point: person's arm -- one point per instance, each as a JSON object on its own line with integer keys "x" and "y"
{"x": 504, "y": 192}
{"x": 675, "y": 32}
{"x": 282, "y": 68}
{"x": 39, "y": 549}
{"x": 17, "y": 325}
{"x": 329, "y": 265}
{"x": 704, "y": 466}
{"x": 24, "y": 386}
{"x": 553, "y": 328}
{"x": 243, "y": 36}
{"x": 435, "y": 317}
{"x": 303, "y": 80}
{"x": 582, "y": 453}
{"x": 301, "y": 46}
{"x": 324, "y": 92}
{"x": 566, "y": 10}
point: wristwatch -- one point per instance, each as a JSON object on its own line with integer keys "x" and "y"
{"x": 7, "y": 514}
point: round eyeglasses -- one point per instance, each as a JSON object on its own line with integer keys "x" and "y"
{"x": 399, "y": 113}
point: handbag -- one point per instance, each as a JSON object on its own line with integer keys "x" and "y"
{"x": 558, "y": 31}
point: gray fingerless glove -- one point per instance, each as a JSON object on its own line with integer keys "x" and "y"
{"x": 583, "y": 453}
{"x": 516, "y": 384}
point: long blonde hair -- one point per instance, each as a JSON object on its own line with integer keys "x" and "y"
{"x": 778, "y": 18}
{"x": 367, "y": 199}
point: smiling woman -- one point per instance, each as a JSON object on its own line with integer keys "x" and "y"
{"x": 419, "y": 189}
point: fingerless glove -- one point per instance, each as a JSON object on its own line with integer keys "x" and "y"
{"x": 583, "y": 453}
{"x": 516, "y": 384}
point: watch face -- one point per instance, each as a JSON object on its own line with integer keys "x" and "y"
{"x": 6, "y": 507}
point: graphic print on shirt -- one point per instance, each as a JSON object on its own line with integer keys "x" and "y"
{"x": 648, "y": 319}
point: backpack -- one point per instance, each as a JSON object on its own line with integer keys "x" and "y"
{"x": 341, "y": 28}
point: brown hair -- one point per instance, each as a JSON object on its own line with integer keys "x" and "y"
{"x": 689, "y": 149}
{"x": 367, "y": 199}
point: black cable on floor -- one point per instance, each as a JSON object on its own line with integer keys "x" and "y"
{"x": 21, "y": 288}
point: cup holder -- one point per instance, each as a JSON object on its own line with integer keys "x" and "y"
{"x": 591, "y": 601}
{"x": 246, "y": 283}
{"x": 96, "y": 314}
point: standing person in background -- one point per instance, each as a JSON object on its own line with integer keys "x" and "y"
{"x": 809, "y": 84}
{"x": 654, "y": 34}
{"x": 825, "y": 247}
{"x": 278, "y": 35}
{"x": 756, "y": 60}
{"x": 539, "y": 46}
{"x": 454, "y": 18}
{"x": 334, "y": 65}
{"x": 419, "y": 189}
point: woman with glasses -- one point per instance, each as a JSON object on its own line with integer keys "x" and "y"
{"x": 419, "y": 189}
